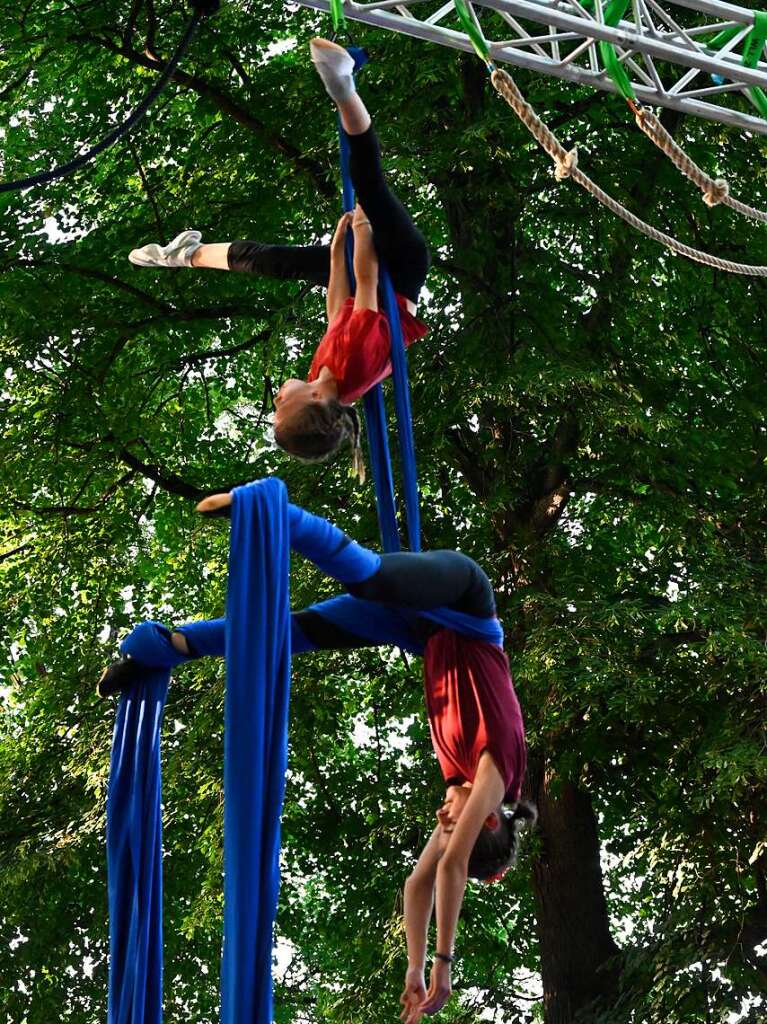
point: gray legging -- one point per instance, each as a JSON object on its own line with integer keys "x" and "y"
{"x": 417, "y": 581}
{"x": 414, "y": 581}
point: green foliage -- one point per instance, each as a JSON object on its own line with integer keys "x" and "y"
{"x": 590, "y": 423}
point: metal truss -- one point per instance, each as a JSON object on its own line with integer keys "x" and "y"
{"x": 660, "y": 43}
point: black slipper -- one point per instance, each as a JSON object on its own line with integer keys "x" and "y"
{"x": 118, "y": 677}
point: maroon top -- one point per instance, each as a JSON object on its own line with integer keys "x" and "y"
{"x": 472, "y": 707}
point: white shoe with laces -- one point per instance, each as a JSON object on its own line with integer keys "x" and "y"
{"x": 177, "y": 253}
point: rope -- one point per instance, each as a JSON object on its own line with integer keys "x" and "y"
{"x": 567, "y": 167}
{"x": 201, "y": 9}
{"x": 715, "y": 190}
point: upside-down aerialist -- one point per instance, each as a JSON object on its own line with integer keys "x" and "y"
{"x": 474, "y": 716}
{"x": 314, "y": 417}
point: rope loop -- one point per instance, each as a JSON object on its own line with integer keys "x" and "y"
{"x": 714, "y": 190}
{"x": 199, "y": 10}
{"x": 564, "y": 168}
{"x": 717, "y": 193}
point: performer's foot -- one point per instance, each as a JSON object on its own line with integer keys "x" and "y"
{"x": 216, "y": 505}
{"x": 335, "y": 67}
{"x": 118, "y": 677}
{"x": 177, "y": 253}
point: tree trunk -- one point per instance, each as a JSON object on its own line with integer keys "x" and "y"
{"x": 573, "y": 925}
{"x": 572, "y": 919}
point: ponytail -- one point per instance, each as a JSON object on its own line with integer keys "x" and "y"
{"x": 354, "y": 431}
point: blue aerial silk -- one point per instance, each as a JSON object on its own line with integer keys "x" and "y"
{"x": 395, "y": 625}
{"x": 373, "y": 401}
{"x": 255, "y": 760}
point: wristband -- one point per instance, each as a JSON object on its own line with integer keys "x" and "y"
{"x": 444, "y": 957}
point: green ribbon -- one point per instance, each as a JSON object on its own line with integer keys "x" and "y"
{"x": 613, "y": 13}
{"x": 474, "y": 33}
{"x": 753, "y": 45}
{"x": 337, "y": 14}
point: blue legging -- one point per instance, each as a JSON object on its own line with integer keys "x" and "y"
{"x": 408, "y": 582}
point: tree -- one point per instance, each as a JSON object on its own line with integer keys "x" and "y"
{"x": 589, "y": 419}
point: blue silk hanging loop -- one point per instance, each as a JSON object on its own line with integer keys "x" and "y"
{"x": 255, "y": 744}
{"x": 134, "y": 855}
{"x": 255, "y": 760}
{"x": 373, "y": 402}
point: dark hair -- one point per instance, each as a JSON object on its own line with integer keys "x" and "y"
{"x": 495, "y": 852}
{"x": 319, "y": 429}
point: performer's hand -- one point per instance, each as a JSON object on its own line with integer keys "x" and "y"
{"x": 413, "y": 995}
{"x": 439, "y": 989}
{"x": 216, "y": 504}
{"x": 339, "y": 237}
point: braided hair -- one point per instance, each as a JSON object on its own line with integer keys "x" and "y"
{"x": 495, "y": 852}
{"x": 320, "y": 429}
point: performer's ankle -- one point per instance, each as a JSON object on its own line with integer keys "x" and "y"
{"x": 180, "y": 643}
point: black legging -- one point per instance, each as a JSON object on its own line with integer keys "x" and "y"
{"x": 421, "y": 581}
{"x": 399, "y": 243}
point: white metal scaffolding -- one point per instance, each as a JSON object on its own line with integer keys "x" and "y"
{"x": 662, "y": 45}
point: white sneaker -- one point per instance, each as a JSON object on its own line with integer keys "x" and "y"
{"x": 177, "y": 253}
{"x": 335, "y": 67}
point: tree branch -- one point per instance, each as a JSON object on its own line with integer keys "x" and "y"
{"x": 224, "y": 102}
{"x": 130, "y": 26}
{"x": 14, "y": 551}
{"x": 169, "y": 481}
{"x": 104, "y": 278}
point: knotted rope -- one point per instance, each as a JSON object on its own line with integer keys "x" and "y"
{"x": 567, "y": 167}
{"x": 715, "y": 190}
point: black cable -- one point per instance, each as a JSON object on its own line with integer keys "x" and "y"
{"x": 201, "y": 9}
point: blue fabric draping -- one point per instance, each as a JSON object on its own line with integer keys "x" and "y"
{"x": 369, "y": 620}
{"x": 387, "y": 624}
{"x": 373, "y": 402}
{"x": 257, "y": 643}
{"x": 255, "y": 744}
{"x": 134, "y": 855}
{"x": 207, "y": 638}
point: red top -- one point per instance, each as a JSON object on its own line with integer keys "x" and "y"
{"x": 472, "y": 707}
{"x": 357, "y": 348}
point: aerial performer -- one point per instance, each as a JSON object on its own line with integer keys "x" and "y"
{"x": 313, "y": 417}
{"x": 441, "y": 605}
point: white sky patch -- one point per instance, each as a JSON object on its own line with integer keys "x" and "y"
{"x": 527, "y": 985}
{"x": 279, "y": 46}
{"x": 127, "y": 595}
{"x": 283, "y": 956}
{"x": 672, "y": 591}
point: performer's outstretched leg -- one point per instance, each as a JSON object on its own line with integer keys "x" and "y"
{"x": 397, "y": 240}
{"x": 413, "y": 581}
{"x": 309, "y": 263}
